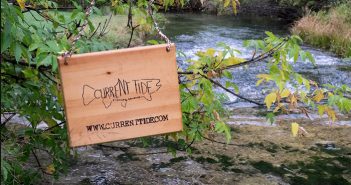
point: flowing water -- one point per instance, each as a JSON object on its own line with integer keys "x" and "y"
{"x": 192, "y": 33}
{"x": 258, "y": 154}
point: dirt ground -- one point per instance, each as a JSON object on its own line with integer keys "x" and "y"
{"x": 257, "y": 155}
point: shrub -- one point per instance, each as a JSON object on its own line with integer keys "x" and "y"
{"x": 329, "y": 30}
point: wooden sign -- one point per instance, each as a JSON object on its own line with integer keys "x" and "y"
{"x": 121, "y": 94}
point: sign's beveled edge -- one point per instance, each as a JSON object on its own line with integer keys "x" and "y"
{"x": 80, "y": 145}
{"x": 75, "y": 56}
{"x": 60, "y": 60}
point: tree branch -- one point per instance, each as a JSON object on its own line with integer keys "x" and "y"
{"x": 131, "y": 35}
{"x": 260, "y": 57}
{"x": 231, "y": 92}
{"x": 8, "y": 119}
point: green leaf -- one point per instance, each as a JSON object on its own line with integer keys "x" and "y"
{"x": 29, "y": 73}
{"x": 306, "y": 83}
{"x": 17, "y": 52}
{"x": 295, "y": 53}
{"x": 33, "y": 46}
{"x": 152, "y": 42}
{"x": 91, "y": 26}
{"x": 228, "y": 74}
{"x": 5, "y": 168}
{"x": 189, "y": 104}
{"x": 6, "y": 37}
{"x": 270, "y": 34}
{"x": 53, "y": 46}
{"x": 310, "y": 57}
{"x": 270, "y": 117}
{"x": 233, "y": 85}
{"x": 221, "y": 127}
{"x": 54, "y": 64}
{"x": 46, "y": 61}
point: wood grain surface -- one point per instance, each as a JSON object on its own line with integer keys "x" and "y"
{"x": 121, "y": 94}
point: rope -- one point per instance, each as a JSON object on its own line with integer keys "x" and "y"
{"x": 87, "y": 14}
{"x": 80, "y": 33}
{"x": 162, "y": 35}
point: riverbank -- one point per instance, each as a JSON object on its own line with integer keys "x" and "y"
{"x": 257, "y": 155}
{"x": 330, "y": 30}
{"x": 287, "y": 10}
{"x": 117, "y": 33}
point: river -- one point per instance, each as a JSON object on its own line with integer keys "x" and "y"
{"x": 257, "y": 154}
{"x": 196, "y": 32}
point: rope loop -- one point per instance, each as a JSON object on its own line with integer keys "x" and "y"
{"x": 80, "y": 33}
{"x": 159, "y": 32}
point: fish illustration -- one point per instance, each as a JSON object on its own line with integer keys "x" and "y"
{"x": 123, "y": 91}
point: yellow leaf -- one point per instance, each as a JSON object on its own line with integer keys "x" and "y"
{"x": 259, "y": 82}
{"x": 210, "y": 52}
{"x": 270, "y": 98}
{"x": 234, "y": 6}
{"x": 321, "y": 109}
{"x": 233, "y": 61}
{"x": 22, "y": 4}
{"x": 264, "y": 76}
{"x": 319, "y": 96}
{"x": 226, "y": 3}
{"x": 216, "y": 115}
{"x": 326, "y": 109}
{"x": 293, "y": 101}
{"x": 285, "y": 93}
{"x": 277, "y": 108}
{"x": 219, "y": 56}
{"x": 330, "y": 94}
{"x": 294, "y": 128}
{"x": 114, "y": 3}
{"x": 331, "y": 114}
{"x": 50, "y": 169}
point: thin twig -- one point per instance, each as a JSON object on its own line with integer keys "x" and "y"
{"x": 104, "y": 27}
{"x": 131, "y": 35}
{"x": 231, "y": 92}
{"x": 38, "y": 162}
{"x": 57, "y": 125}
{"x": 163, "y": 36}
{"x": 95, "y": 31}
{"x": 8, "y": 119}
{"x": 261, "y": 57}
{"x": 47, "y": 76}
{"x": 80, "y": 31}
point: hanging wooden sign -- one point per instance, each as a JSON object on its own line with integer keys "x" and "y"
{"x": 121, "y": 94}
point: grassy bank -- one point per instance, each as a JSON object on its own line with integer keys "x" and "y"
{"x": 118, "y": 34}
{"x": 330, "y": 30}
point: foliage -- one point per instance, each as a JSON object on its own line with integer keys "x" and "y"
{"x": 31, "y": 39}
{"x": 330, "y": 29}
{"x": 34, "y": 33}
{"x": 213, "y": 64}
{"x": 311, "y": 4}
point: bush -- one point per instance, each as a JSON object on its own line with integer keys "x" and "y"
{"x": 330, "y": 30}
